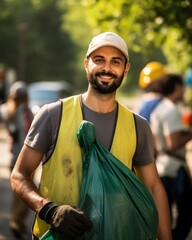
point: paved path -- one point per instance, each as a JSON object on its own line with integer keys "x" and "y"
{"x": 5, "y": 204}
{"x": 6, "y": 192}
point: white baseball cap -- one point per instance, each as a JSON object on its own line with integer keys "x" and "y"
{"x": 108, "y": 39}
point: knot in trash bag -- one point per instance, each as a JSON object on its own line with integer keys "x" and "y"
{"x": 86, "y": 135}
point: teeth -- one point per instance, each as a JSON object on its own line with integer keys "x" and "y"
{"x": 106, "y": 76}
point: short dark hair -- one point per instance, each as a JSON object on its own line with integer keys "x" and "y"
{"x": 170, "y": 82}
{"x": 156, "y": 86}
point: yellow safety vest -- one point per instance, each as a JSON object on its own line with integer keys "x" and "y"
{"x": 62, "y": 173}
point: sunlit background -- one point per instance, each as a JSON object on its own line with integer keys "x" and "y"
{"x": 47, "y": 40}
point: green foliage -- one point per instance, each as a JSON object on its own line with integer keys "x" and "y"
{"x": 74, "y": 22}
{"x": 33, "y": 41}
{"x": 54, "y": 51}
{"x": 47, "y": 40}
{"x": 147, "y": 25}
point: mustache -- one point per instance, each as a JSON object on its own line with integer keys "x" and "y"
{"x": 104, "y": 73}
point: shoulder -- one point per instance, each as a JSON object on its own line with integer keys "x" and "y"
{"x": 48, "y": 114}
{"x": 167, "y": 104}
{"x": 143, "y": 128}
{"x": 144, "y": 151}
{"x": 165, "y": 109}
{"x": 140, "y": 121}
{"x": 51, "y": 108}
{"x": 44, "y": 127}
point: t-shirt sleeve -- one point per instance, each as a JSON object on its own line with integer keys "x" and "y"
{"x": 144, "y": 154}
{"x": 173, "y": 117}
{"x": 44, "y": 128}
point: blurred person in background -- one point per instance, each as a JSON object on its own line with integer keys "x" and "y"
{"x": 150, "y": 79}
{"x": 170, "y": 136}
{"x": 17, "y": 118}
{"x": 2, "y": 83}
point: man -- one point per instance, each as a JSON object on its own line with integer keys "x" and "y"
{"x": 170, "y": 138}
{"x": 106, "y": 65}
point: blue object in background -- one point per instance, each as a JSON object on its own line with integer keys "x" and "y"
{"x": 188, "y": 77}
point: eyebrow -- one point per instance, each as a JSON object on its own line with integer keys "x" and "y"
{"x": 100, "y": 56}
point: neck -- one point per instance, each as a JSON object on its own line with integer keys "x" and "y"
{"x": 172, "y": 98}
{"x": 101, "y": 103}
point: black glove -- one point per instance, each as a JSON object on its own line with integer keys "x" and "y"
{"x": 65, "y": 219}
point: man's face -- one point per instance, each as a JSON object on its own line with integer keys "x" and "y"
{"x": 106, "y": 67}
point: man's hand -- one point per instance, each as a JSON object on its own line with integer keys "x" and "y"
{"x": 65, "y": 219}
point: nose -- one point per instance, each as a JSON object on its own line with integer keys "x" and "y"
{"x": 106, "y": 66}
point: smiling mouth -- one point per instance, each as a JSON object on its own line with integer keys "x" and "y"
{"x": 107, "y": 75}
{"x": 105, "y": 80}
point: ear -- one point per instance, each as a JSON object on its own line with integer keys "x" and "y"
{"x": 86, "y": 64}
{"x": 127, "y": 67}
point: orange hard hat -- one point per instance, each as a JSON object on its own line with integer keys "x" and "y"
{"x": 152, "y": 72}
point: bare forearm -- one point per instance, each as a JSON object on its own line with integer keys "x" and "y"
{"x": 150, "y": 178}
{"x": 160, "y": 198}
{"x": 27, "y": 191}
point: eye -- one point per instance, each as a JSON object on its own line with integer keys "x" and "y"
{"x": 116, "y": 62}
{"x": 98, "y": 60}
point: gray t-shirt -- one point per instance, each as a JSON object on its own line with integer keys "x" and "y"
{"x": 43, "y": 133}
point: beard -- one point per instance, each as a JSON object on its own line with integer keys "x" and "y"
{"x": 105, "y": 88}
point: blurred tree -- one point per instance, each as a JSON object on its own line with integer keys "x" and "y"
{"x": 147, "y": 25}
{"x": 74, "y": 22}
{"x": 54, "y": 54}
{"x": 8, "y": 33}
{"x": 33, "y": 41}
{"x": 154, "y": 30}
{"x": 47, "y": 40}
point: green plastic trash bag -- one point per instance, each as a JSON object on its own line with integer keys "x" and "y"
{"x": 112, "y": 196}
{"x": 53, "y": 235}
